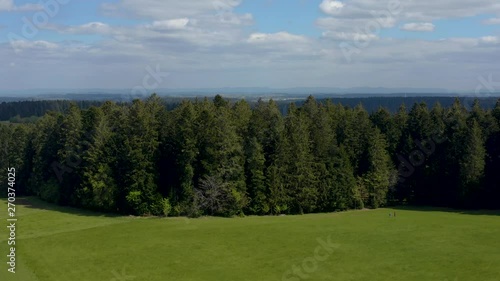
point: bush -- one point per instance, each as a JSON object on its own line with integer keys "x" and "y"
{"x": 50, "y": 191}
{"x": 160, "y": 206}
{"x": 166, "y": 207}
{"x": 177, "y": 210}
{"x": 134, "y": 202}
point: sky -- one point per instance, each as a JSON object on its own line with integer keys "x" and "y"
{"x": 149, "y": 44}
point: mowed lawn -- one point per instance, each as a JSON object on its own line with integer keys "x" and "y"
{"x": 66, "y": 244}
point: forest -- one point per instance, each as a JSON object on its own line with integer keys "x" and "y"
{"x": 26, "y": 111}
{"x": 231, "y": 158}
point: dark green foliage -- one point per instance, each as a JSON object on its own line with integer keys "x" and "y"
{"x": 224, "y": 158}
{"x": 301, "y": 182}
{"x": 70, "y": 156}
{"x": 256, "y": 180}
{"x": 28, "y": 111}
{"x": 98, "y": 188}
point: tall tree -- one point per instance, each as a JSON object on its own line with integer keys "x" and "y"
{"x": 179, "y": 152}
{"x": 221, "y": 153}
{"x": 380, "y": 175}
{"x": 472, "y": 164}
{"x": 70, "y": 156}
{"x": 47, "y": 169}
{"x": 301, "y": 180}
{"x": 98, "y": 189}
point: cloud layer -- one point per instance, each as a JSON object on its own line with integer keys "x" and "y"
{"x": 210, "y": 44}
{"x": 419, "y": 26}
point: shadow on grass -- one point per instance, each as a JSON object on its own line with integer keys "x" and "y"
{"x": 36, "y": 203}
{"x": 448, "y": 210}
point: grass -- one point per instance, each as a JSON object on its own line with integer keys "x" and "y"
{"x": 55, "y": 243}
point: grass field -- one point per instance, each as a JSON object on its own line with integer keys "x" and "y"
{"x": 55, "y": 243}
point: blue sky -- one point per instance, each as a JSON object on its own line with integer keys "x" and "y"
{"x": 248, "y": 43}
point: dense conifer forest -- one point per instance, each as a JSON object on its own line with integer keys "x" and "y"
{"x": 26, "y": 111}
{"x": 226, "y": 158}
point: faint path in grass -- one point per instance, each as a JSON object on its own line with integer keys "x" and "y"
{"x": 37, "y": 218}
{"x": 66, "y": 230}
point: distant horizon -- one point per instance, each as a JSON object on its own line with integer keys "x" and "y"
{"x": 248, "y": 91}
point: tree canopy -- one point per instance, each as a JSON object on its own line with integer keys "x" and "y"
{"x": 227, "y": 158}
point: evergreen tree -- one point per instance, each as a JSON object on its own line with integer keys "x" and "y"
{"x": 300, "y": 179}
{"x": 255, "y": 178}
{"x": 47, "y": 170}
{"x": 435, "y": 148}
{"x": 221, "y": 153}
{"x": 380, "y": 175}
{"x": 344, "y": 192}
{"x": 98, "y": 189}
{"x": 492, "y": 176}
{"x": 220, "y": 158}
{"x": 179, "y": 152}
{"x": 472, "y": 164}
{"x": 70, "y": 154}
{"x": 456, "y": 131}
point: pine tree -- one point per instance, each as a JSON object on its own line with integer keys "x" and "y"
{"x": 436, "y": 149}
{"x": 344, "y": 192}
{"x": 420, "y": 129}
{"x": 221, "y": 153}
{"x": 456, "y": 131}
{"x": 472, "y": 164}
{"x": 98, "y": 189}
{"x": 383, "y": 120}
{"x": 380, "y": 175}
{"x": 138, "y": 149}
{"x": 70, "y": 156}
{"x": 179, "y": 152}
{"x": 256, "y": 181}
{"x": 47, "y": 170}
{"x": 492, "y": 176}
{"x": 301, "y": 181}
{"x": 266, "y": 126}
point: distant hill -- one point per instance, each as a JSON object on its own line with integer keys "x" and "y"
{"x": 35, "y": 108}
{"x": 249, "y": 93}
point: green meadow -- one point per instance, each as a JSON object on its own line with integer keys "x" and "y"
{"x": 55, "y": 243}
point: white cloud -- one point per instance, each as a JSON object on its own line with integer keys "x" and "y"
{"x": 283, "y": 37}
{"x": 168, "y": 9}
{"x": 39, "y": 44}
{"x": 170, "y": 24}
{"x": 492, "y": 21}
{"x": 419, "y": 27}
{"x": 8, "y": 5}
{"x": 490, "y": 39}
{"x": 354, "y": 15}
{"x": 278, "y": 61}
{"x": 89, "y": 28}
{"x": 349, "y": 36}
{"x": 331, "y": 7}
{"x": 98, "y": 26}
{"x": 28, "y": 7}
